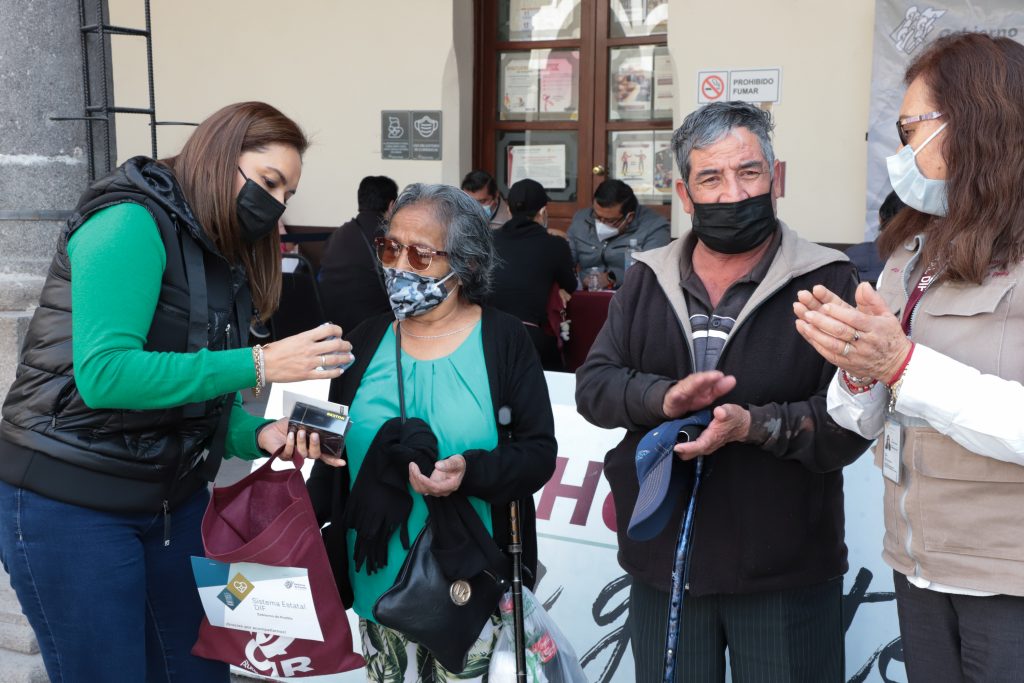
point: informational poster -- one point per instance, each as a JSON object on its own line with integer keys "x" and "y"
{"x": 633, "y": 161}
{"x": 902, "y": 30}
{"x": 558, "y": 79}
{"x": 664, "y": 163}
{"x": 664, "y": 86}
{"x": 638, "y": 17}
{"x": 520, "y": 85}
{"x": 543, "y": 163}
{"x": 535, "y": 19}
{"x": 632, "y": 83}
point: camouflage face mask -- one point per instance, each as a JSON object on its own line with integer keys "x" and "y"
{"x": 412, "y": 294}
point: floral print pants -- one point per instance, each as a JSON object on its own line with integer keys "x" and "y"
{"x": 392, "y": 658}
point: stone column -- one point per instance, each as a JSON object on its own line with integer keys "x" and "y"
{"x": 43, "y": 163}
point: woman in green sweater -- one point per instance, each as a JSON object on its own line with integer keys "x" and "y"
{"x": 127, "y": 396}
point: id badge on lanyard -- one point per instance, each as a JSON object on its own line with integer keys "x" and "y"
{"x": 892, "y": 450}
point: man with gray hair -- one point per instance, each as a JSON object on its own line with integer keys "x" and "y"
{"x": 702, "y": 332}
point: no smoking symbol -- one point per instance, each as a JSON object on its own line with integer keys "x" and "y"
{"x": 712, "y": 87}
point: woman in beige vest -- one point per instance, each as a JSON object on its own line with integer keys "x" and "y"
{"x": 932, "y": 363}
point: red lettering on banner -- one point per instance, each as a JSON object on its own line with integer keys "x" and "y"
{"x": 608, "y": 513}
{"x": 583, "y": 494}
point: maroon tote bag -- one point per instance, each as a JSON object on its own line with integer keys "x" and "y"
{"x": 266, "y": 518}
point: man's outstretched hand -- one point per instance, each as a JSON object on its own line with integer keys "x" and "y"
{"x": 696, "y": 391}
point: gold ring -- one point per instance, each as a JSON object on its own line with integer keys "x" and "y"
{"x": 846, "y": 349}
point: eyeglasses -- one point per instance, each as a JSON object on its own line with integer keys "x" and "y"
{"x": 420, "y": 258}
{"x": 617, "y": 223}
{"x": 900, "y": 123}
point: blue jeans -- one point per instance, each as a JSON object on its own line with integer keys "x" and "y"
{"x": 106, "y": 599}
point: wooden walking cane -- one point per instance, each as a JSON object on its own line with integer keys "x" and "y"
{"x": 515, "y": 548}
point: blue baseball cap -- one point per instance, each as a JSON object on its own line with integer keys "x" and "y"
{"x": 658, "y": 476}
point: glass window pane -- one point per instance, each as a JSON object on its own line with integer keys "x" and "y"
{"x": 538, "y": 85}
{"x": 547, "y": 156}
{"x": 640, "y": 83}
{"x": 643, "y": 160}
{"x": 538, "y": 19}
{"x": 631, "y": 18}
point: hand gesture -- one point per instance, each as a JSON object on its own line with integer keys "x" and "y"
{"x": 307, "y": 355}
{"x": 276, "y": 434}
{"x": 444, "y": 480}
{"x": 696, "y": 391}
{"x": 730, "y": 423}
{"x": 866, "y": 341}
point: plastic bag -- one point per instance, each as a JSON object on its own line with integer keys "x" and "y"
{"x": 549, "y": 656}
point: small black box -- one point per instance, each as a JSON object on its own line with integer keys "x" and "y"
{"x": 329, "y": 425}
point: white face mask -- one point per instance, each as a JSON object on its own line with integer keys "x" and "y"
{"x": 918, "y": 192}
{"x": 605, "y": 231}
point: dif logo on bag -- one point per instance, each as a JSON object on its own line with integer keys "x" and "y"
{"x": 236, "y": 591}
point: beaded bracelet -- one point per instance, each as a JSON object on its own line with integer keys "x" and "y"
{"x": 857, "y": 385}
{"x": 261, "y": 377}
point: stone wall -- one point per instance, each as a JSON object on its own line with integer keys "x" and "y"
{"x": 43, "y": 163}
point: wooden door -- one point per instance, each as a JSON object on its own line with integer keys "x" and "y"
{"x": 570, "y": 92}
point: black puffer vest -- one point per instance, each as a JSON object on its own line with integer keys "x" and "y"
{"x": 52, "y": 443}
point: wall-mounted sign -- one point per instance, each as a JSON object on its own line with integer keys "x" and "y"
{"x": 748, "y": 85}
{"x": 410, "y": 135}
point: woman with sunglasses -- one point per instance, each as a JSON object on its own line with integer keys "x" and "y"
{"x": 127, "y": 396}
{"x": 471, "y": 374}
{"x": 932, "y": 364}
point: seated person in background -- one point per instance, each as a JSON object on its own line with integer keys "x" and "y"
{"x": 286, "y": 247}
{"x": 600, "y": 236}
{"x": 531, "y": 261}
{"x": 865, "y": 255}
{"x": 351, "y": 285}
{"x": 481, "y": 186}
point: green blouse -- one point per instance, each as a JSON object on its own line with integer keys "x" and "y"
{"x": 117, "y": 261}
{"x": 451, "y": 394}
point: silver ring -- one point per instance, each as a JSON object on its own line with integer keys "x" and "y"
{"x": 323, "y": 362}
{"x": 856, "y": 336}
{"x": 846, "y": 349}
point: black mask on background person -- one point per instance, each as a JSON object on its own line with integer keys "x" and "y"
{"x": 735, "y": 227}
{"x": 258, "y": 211}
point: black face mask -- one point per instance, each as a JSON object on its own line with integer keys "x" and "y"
{"x": 258, "y": 211}
{"x": 735, "y": 227}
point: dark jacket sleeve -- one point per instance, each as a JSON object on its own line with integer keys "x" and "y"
{"x": 566, "y": 272}
{"x": 327, "y": 490}
{"x": 524, "y": 459}
{"x": 803, "y": 430}
{"x": 609, "y": 392}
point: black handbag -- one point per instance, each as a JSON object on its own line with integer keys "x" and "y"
{"x": 445, "y": 616}
{"x": 442, "y": 615}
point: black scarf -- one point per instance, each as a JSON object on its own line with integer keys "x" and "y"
{"x": 380, "y": 501}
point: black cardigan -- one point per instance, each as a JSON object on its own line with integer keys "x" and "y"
{"x": 521, "y": 464}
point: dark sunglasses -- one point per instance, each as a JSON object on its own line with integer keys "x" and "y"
{"x": 900, "y": 123}
{"x": 389, "y": 250}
